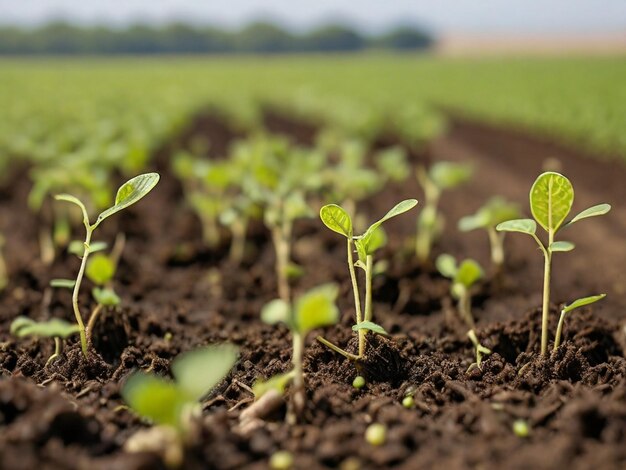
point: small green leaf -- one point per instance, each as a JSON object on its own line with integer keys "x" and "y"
{"x": 396, "y": 210}
{"x": 100, "y": 269}
{"x": 316, "y": 308}
{"x": 77, "y": 247}
{"x": 63, "y": 283}
{"x": 54, "y": 328}
{"x": 594, "y": 211}
{"x": 370, "y": 326}
{"x": 106, "y": 297}
{"x": 74, "y": 200}
{"x": 446, "y": 265}
{"x": 336, "y": 219}
{"x": 198, "y": 371}
{"x": 279, "y": 382}
{"x": 472, "y": 222}
{"x": 155, "y": 398}
{"x": 469, "y": 272}
{"x": 528, "y": 226}
{"x": 494, "y": 212}
{"x": 370, "y": 242}
{"x": 551, "y": 199}
{"x": 276, "y": 311}
{"x": 582, "y": 302}
{"x": 447, "y": 175}
{"x": 130, "y": 193}
{"x": 561, "y": 246}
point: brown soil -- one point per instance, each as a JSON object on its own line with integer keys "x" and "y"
{"x": 68, "y": 415}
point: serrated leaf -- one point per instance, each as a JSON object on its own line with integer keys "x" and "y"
{"x": 528, "y": 226}
{"x": 316, "y": 308}
{"x": 63, "y": 283}
{"x": 198, "y": 371}
{"x": 155, "y": 398}
{"x": 469, "y": 272}
{"x": 446, "y": 265}
{"x": 276, "y": 311}
{"x": 100, "y": 269}
{"x": 561, "y": 246}
{"x": 130, "y": 193}
{"x": 582, "y": 302}
{"x": 594, "y": 211}
{"x": 279, "y": 382}
{"x": 551, "y": 199}
{"x": 54, "y": 328}
{"x": 106, "y": 297}
{"x": 336, "y": 219}
{"x": 370, "y": 326}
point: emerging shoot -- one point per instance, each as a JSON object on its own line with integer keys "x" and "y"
{"x": 551, "y": 200}
{"x": 55, "y": 328}
{"x": 568, "y": 308}
{"x": 480, "y": 351}
{"x": 464, "y": 277}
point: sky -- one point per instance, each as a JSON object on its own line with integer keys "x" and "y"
{"x": 476, "y": 16}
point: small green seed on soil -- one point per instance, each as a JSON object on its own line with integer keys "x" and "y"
{"x": 521, "y": 428}
{"x": 358, "y": 382}
{"x": 408, "y": 402}
{"x": 281, "y": 460}
{"x": 376, "y": 434}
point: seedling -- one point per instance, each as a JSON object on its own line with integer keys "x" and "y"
{"x": 567, "y": 309}
{"x": 129, "y": 193}
{"x": 480, "y": 351}
{"x": 175, "y": 404}
{"x": 440, "y": 177}
{"x": 464, "y": 277}
{"x": 494, "y": 212}
{"x": 55, "y": 328}
{"x": 314, "y": 309}
{"x": 4, "y": 276}
{"x": 551, "y": 199}
{"x": 338, "y": 220}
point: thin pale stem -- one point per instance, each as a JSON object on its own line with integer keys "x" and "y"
{"x": 210, "y": 231}
{"x": 4, "y": 278}
{"x": 118, "y": 249}
{"x": 79, "y": 279}
{"x": 46, "y": 246}
{"x": 559, "y": 331}
{"x": 93, "y": 318}
{"x": 238, "y": 242}
{"x": 281, "y": 236}
{"x": 465, "y": 308}
{"x": 337, "y": 349}
{"x": 57, "y": 350}
{"x": 496, "y": 241}
{"x": 545, "y": 309}
{"x": 298, "y": 379}
{"x": 426, "y": 229}
{"x": 369, "y": 260}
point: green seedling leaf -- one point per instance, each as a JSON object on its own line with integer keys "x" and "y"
{"x": 496, "y": 211}
{"x": 106, "y": 297}
{"x": 370, "y": 326}
{"x": 370, "y": 242}
{"x": 561, "y": 246}
{"x": 63, "y": 283}
{"x": 594, "y": 211}
{"x": 276, "y": 311}
{"x": 551, "y": 199}
{"x": 279, "y": 383}
{"x": 155, "y": 398}
{"x": 198, "y": 371}
{"x": 446, "y": 175}
{"x": 396, "y": 210}
{"x": 295, "y": 207}
{"x": 130, "y": 193}
{"x": 446, "y": 265}
{"x": 528, "y": 226}
{"x": 100, "y": 269}
{"x": 316, "y": 308}
{"x": 336, "y": 219}
{"x": 76, "y": 247}
{"x": 582, "y": 302}
{"x": 74, "y": 200}
{"x": 469, "y": 272}
{"x": 54, "y": 328}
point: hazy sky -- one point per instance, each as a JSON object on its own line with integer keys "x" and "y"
{"x": 559, "y": 16}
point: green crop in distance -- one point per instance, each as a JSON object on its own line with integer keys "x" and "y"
{"x": 464, "y": 277}
{"x": 551, "y": 200}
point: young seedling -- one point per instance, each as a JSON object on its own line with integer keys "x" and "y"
{"x": 338, "y": 220}
{"x": 568, "y": 308}
{"x": 480, "y": 351}
{"x": 174, "y": 405}
{"x": 129, "y": 193}
{"x": 55, "y": 328}
{"x": 551, "y": 199}
{"x": 464, "y": 277}
{"x": 314, "y": 309}
{"x": 494, "y": 212}
{"x": 440, "y": 177}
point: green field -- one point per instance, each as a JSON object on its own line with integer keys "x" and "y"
{"x": 54, "y": 105}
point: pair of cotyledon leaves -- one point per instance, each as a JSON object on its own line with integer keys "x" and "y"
{"x": 551, "y": 200}
{"x": 465, "y": 274}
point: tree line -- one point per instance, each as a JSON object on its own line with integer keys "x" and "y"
{"x": 178, "y": 38}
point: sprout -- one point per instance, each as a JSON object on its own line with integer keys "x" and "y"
{"x": 55, "y": 328}
{"x": 463, "y": 278}
{"x": 376, "y": 434}
{"x": 480, "y": 351}
{"x": 551, "y": 199}
{"x": 174, "y": 404}
{"x": 338, "y": 220}
{"x": 441, "y": 176}
{"x": 313, "y": 310}
{"x": 129, "y": 193}
{"x": 494, "y": 212}
{"x": 568, "y": 308}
